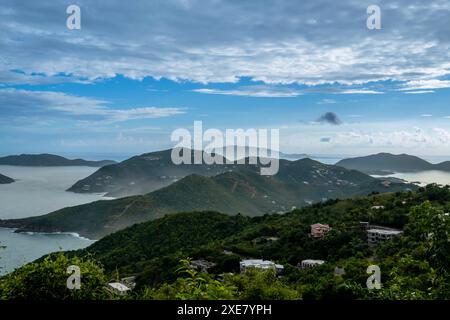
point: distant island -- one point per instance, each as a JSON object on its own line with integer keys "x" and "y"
{"x": 238, "y": 190}
{"x": 146, "y": 173}
{"x": 387, "y": 163}
{"x": 5, "y": 179}
{"x": 49, "y": 160}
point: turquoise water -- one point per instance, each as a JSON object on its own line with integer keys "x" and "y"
{"x": 38, "y": 190}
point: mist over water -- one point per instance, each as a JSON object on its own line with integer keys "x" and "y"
{"x": 425, "y": 177}
{"x": 38, "y": 190}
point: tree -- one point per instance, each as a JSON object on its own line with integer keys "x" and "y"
{"x": 191, "y": 285}
{"x": 47, "y": 280}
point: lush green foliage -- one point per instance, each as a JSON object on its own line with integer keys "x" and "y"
{"x": 414, "y": 265}
{"x": 47, "y": 279}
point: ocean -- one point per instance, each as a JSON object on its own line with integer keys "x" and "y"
{"x": 38, "y": 190}
{"x": 425, "y": 177}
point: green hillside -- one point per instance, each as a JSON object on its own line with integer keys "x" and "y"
{"x": 151, "y": 250}
{"x": 160, "y": 253}
{"x": 297, "y": 184}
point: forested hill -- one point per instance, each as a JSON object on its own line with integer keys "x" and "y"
{"x": 297, "y": 184}
{"x": 152, "y": 249}
{"x": 162, "y": 254}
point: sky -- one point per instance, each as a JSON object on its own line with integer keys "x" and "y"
{"x": 138, "y": 70}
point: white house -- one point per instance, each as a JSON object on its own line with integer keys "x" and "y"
{"x": 118, "y": 288}
{"x": 375, "y": 235}
{"x": 310, "y": 263}
{"x": 260, "y": 264}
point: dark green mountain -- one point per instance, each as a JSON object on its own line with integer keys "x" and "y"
{"x": 244, "y": 191}
{"x": 386, "y": 163}
{"x": 142, "y": 174}
{"x": 443, "y": 166}
{"x": 49, "y": 160}
{"x": 5, "y": 179}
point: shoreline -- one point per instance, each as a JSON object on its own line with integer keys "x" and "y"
{"x": 29, "y": 232}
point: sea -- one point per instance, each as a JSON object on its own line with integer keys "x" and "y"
{"x": 37, "y": 191}
{"x": 422, "y": 178}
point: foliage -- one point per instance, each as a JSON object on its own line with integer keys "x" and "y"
{"x": 47, "y": 280}
{"x": 192, "y": 285}
{"x": 414, "y": 265}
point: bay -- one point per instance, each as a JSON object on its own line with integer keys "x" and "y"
{"x": 36, "y": 191}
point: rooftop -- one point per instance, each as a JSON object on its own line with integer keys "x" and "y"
{"x": 119, "y": 286}
{"x": 385, "y": 231}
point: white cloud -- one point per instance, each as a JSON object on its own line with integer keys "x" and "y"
{"x": 254, "y": 91}
{"x": 326, "y": 101}
{"x": 413, "y": 137}
{"x": 358, "y": 91}
{"x": 419, "y": 92}
{"x": 17, "y": 103}
{"x": 425, "y": 86}
{"x": 222, "y": 40}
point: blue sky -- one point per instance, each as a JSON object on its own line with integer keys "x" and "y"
{"x": 136, "y": 72}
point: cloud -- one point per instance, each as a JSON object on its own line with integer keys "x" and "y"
{"x": 418, "y": 137}
{"x": 425, "y": 86}
{"x": 325, "y": 139}
{"x": 330, "y": 118}
{"x": 223, "y": 40}
{"x": 419, "y": 92}
{"x": 254, "y": 91}
{"x": 27, "y": 104}
{"x": 358, "y": 91}
{"x": 326, "y": 101}
{"x": 426, "y": 115}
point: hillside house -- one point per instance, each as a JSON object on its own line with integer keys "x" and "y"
{"x": 318, "y": 230}
{"x": 378, "y": 234}
{"x": 310, "y": 263}
{"x": 260, "y": 264}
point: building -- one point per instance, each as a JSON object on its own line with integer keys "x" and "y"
{"x": 118, "y": 288}
{"x": 339, "y": 271}
{"x": 130, "y": 282}
{"x": 310, "y": 263}
{"x": 202, "y": 265}
{"x": 260, "y": 264}
{"x": 318, "y": 230}
{"x": 377, "y": 208}
{"x": 364, "y": 225}
{"x": 375, "y": 235}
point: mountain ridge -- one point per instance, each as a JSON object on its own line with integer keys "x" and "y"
{"x": 49, "y": 160}
{"x": 387, "y": 163}
{"x": 297, "y": 184}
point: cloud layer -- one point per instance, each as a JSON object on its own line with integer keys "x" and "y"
{"x": 308, "y": 42}
{"x": 29, "y": 105}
